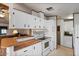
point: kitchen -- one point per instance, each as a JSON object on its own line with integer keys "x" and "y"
{"x": 30, "y": 32}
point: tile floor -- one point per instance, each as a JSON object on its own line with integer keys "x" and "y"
{"x": 61, "y": 51}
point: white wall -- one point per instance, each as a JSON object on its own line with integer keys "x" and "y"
{"x": 58, "y": 22}
{"x": 62, "y": 31}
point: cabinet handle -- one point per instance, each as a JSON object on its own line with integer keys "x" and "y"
{"x": 43, "y": 26}
{"x": 13, "y": 13}
{"x": 35, "y": 19}
{"x": 39, "y": 26}
{"x": 34, "y": 47}
{"x": 35, "y": 26}
{"x": 28, "y": 25}
{"x": 24, "y": 25}
{"x": 25, "y": 50}
{"x": 77, "y": 37}
{"x": 40, "y": 20}
{"x": 13, "y": 25}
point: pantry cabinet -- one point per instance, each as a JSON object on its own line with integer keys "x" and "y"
{"x": 22, "y": 20}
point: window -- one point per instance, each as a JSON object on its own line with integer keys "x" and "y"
{"x": 3, "y": 30}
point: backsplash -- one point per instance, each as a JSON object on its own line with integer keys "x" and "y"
{"x": 21, "y": 31}
{"x": 38, "y": 34}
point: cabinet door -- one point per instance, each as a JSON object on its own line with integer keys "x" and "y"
{"x": 38, "y": 49}
{"x": 32, "y": 21}
{"x": 37, "y": 23}
{"x": 52, "y": 44}
{"x": 19, "y": 18}
{"x": 28, "y": 20}
{"x": 45, "y": 24}
{"x": 42, "y": 23}
{"x": 68, "y": 41}
{"x": 11, "y": 19}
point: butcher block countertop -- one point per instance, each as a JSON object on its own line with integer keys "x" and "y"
{"x": 25, "y": 44}
{"x": 7, "y": 42}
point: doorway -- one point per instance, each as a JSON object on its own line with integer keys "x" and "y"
{"x": 65, "y": 37}
{"x": 58, "y": 35}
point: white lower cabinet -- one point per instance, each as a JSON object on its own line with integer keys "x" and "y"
{"x": 34, "y": 50}
{"x": 45, "y": 53}
{"x": 68, "y": 41}
{"x": 28, "y": 51}
{"x": 52, "y": 45}
{"x": 38, "y": 49}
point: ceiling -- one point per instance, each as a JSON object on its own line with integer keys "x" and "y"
{"x": 64, "y": 10}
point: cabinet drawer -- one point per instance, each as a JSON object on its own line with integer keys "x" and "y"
{"x": 24, "y": 51}
{"x": 46, "y": 52}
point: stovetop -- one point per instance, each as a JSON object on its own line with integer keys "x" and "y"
{"x": 43, "y": 38}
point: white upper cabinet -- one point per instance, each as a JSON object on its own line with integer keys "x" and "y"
{"x": 19, "y": 18}
{"x": 37, "y": 23}
{"x": 76, "y": 17}
{"x": 11, "y": 20}
{"x": 42, "y": 23}
{"x": 22, "y": 20}
{"x": 11, "y": 17}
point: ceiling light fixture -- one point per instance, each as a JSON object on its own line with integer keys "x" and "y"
{"x": 2, "y": 14}
{"x": 50, "y": 8}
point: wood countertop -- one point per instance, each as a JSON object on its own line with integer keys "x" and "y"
{"x": 7, "y": 42}
{"x": 21, "y": 45}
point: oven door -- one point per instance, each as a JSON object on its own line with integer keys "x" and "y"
{"x": 46, "y": 45}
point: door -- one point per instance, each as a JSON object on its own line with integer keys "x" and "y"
{"x": 58, "y": 35}
{"x": 76, "y": 34}
{"x": 76, "y": 42}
